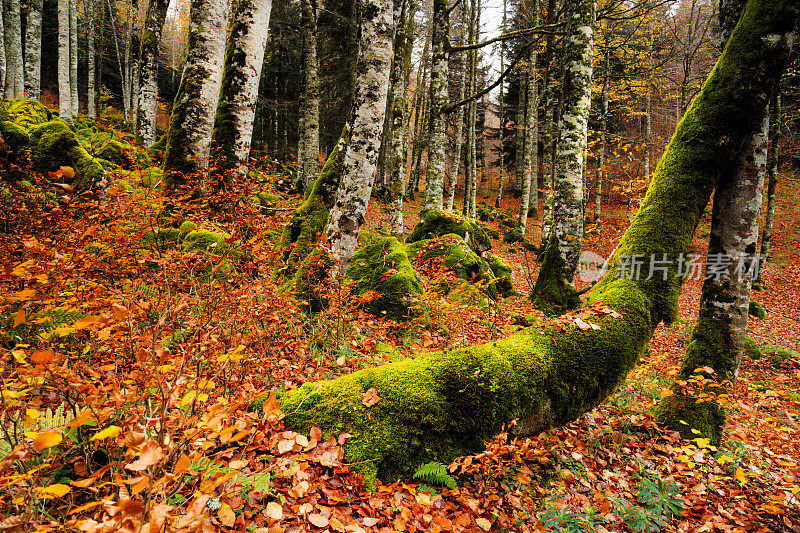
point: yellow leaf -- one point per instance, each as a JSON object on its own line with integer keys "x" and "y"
{"x": 19, "y": 318}
{"x": 52, "y": 491}
{"x": 225, "y": 515}
{"x": 19, "y": 356}
{"x": 47, "y": 439}
{"x": 741, "y": 475}
{"x": 724, "y": 458}
{"x": 109, "y": 432}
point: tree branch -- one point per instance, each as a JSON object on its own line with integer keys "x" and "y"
{"x": 547, "y": 29}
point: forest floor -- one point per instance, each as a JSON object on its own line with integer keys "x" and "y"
{"x": 129, "y": 363}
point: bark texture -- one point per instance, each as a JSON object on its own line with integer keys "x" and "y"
{"x": 64, "y": 92}
{"x": 33, "y": 49}
{"x": 530, "y": 160}
{"x": 441, "y": 405}
{"x": 15, "y": 83}
{"x": 308, "y": 146}
{"x": 91, "y": 73}
{"x": 369, "y": 108}
{"x": 189, "y": 135}
{"x": 147, "y": 106}
{"x": 73, "y": 57}
{"x": 401, "y": 70}
{"x": 244, "y": 58}
{"x": 772, "y": 173}
{"x": 440, "y": 73}
{"x": 554, "y": 289}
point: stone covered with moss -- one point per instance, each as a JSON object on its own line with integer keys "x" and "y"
{"x": 434, "y": 223}
{"x": 210, "y": 241}
{"x": 384, "y": 267}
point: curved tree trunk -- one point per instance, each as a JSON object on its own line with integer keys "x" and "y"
{"x": 189, "y": 135}
{"x": 554, "y": 287}
{"x": 442, "y": 405}
{"x": 244, "y": 57}
{"x": 33, "y": 49}
{"x": 369, "y": 107}
{"x": 308, "y": 145}
{"x": 13, "y": 50}
{"x": 147, "y": 106}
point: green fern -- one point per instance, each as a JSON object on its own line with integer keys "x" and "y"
{"x": 435, "y": 473}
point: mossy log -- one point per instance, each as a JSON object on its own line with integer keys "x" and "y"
{"x": 441, "y": 405}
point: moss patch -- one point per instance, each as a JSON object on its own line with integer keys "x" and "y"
{"x": 757, "y": 310}
{"x": 435, "y": 224}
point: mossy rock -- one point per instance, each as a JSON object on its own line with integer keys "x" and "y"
{"x": 186, "y": 228}
{"x": 486, "y": 213}
{"x": 211, "y": 241}
{"x": 28, "y": 113}
{"x": 502, "y": 275}
{"x": 15, "y": 137}
{"x": 268, "y": 202}
{"x": 752, "y": 349}
{"x": 459, "y": 257}
{"x": 384, "y": 267}
{"x": 493, "y": 233}
{"x": 433, "y": 224}
{"x": 53, "y": 145}
{"x": 116, "y": 152}
{"x": 513, "y": 235}
{"x": 757, "y": 310}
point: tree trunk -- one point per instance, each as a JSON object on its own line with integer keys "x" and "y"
{"x": 244, "y": 57}
{"x": 502, "y": 112}
{"x": 360, "y": 160}
{"x": 648, "y": 129}
{"x": 15, "y": 83}
{"x": 91, "y": 61}
{"x": 3, "y": 52}
{"x": 519, "y": 165}
{"x": 73, "y": 56}
{"x": 772, "y": 174}
{"x": 471, "y": 171}
{"x": 419, "y": 113}
{"x": 401, "y": 70}
{"x": 308, "y": 147}
{"x": 33, "y": 49}
{"x": 64, "y": 91}
{"x": 434, "y": 185}
{"x": 554, "y": 287}
{"x": 192, "y": 119}
{"x": 530, "y": 160}
{"x": 441, "y": 405}
{"x": 547, "y": 131}
{"x": 601, "y": 156}
{"x": 147, "y": 106}
{"x": 459, "y": 116}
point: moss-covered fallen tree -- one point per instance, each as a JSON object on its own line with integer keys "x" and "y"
{"x": 441, "y": 405}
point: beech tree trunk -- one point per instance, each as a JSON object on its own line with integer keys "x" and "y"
{"x": 772, "y": 174}
{"x": 434, "y": 186}
{"x": 458, "y": 114}
{"x": 73, "y": 56}
{"x": 33, "y": 49}
{"x": 15, "y": 83}
{"x": 147, "y": 106}
{"x": 445, "y": 404}
{"x": 2, "y": 53}
{"x": 369, "y": 107}
{"x": 502, "y": 112}
{"x": 91, "y": 108}
{"x": 189, "y": 135}
{"x": 554, "y": 289}
{"x": 601, "y": 156}
{"x": 401, "y": 70}
{"x": 548, "y": 130}
{"x": 519, "y": 165}
{"x": 64, "y": 91}
{"x": 530, "y": 160}
{"x": 308, "y": 145}
{"x": 244, "y": 58}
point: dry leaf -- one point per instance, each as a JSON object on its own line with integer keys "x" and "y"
{"x": 151, "y": 454}
{"x": 318, "y": 520}
{"x": 42, "y": 357}
{"x": 226, "y": 515}
{"x": 47, "y": 439}
{"x": 370, "y": 397}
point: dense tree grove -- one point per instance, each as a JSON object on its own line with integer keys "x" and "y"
{"x": 429, "y": 227}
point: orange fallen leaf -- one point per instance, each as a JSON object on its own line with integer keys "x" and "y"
{"x": 370, "y": 397}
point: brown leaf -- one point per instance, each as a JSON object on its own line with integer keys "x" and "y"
{"x": 19, "y": 318}
{"x": 151, "y": 454}
{"x": 370, "y": 397}
{"x": 46, "y": 439}
{"x": 226, "y": 515}
{"x": 42, "y": 357}
{"x": 318, "y": 520}
{"x": 274, "y": 511}
{"x": 66, "y": 172}
{"x": 483, "y": 523}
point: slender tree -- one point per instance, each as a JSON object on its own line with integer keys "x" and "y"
{"x": 3, "y": 63}
{"x": 369, "y": 106}
{"x": 308, "y": 145}
{"x": 14, "y": 86}
{"x": 65, "y": 108}
{"x": 188, "y": 140}
{"x": 91, "y": 61}
{"x": 73, "y": 56}
{"x": 401, "y": 71}
{"x": 147, "y": 106}
{"x": 554, "y": 287}
{"x": 33, "y": 49}
{"x": 530, "y": 160}
{"x": 244, "y": 57}
{"x": 459, "y": 114}
{"x": 601, "y": 155}
{"x": 501, "y": 112}
{"x": 772, "y": 175}
{"x": 434, "y": 186}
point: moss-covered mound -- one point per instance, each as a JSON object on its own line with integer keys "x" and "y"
{"x": 385, "y": 268}
{"x": 757, "y": 310}
{"x": 502, "y": 274}
{"x": 433, "y": 224}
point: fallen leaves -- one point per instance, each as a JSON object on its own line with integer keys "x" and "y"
{"x": 370, "y": 397}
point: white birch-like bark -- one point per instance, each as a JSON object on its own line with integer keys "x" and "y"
{"x": 434, "y": 187}
{"x": 554, "y": 286}
{"x": 369, "y": 107}
{"x": 401, "y": 71}
{"x": 2, "y": 52}
{"x": 601, "y": 156}
{"x": 471, "y": 163}
{"x": 502, "y": 113}
{"x": 147, "y": 107}
{"x": 91, "y": 62}
{"x": 33, "y": 49}
{"x": 64, "y": 91}
{"x": 73, "y": 56}
{"x": 459, "y": 113}
{"x": 244, "y": 58}
{"x": 13, "y": 49}
{"x": 308, "y": 145}
{"x": 192, "y": 119}
{"x": 520, "y": 132}
{"x": 476, "y": 37}
{"x": 530, "y": 160}
{"x": 772, "y": 173}
{"x": 648, "y": 130}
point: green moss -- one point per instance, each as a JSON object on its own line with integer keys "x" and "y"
{"x": 116, "y": 152}
{"x": 513, "y": 235}
{"x": 186, "y": 227}
{"x": 15, "y": 137}
{"x": 28, "y": 113}
{"x": 502, "y": 274}
{"x": 757, "y": 310}
{"x": 384, "y": 267}
{"x": 54, "y": 145}
{"x": 551, "y": 292}
{"x": 752, "y": 349}
{"x": 267, "y": 201}
{"x": 211, "y": 241}
{"x": 435, "y": 224}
